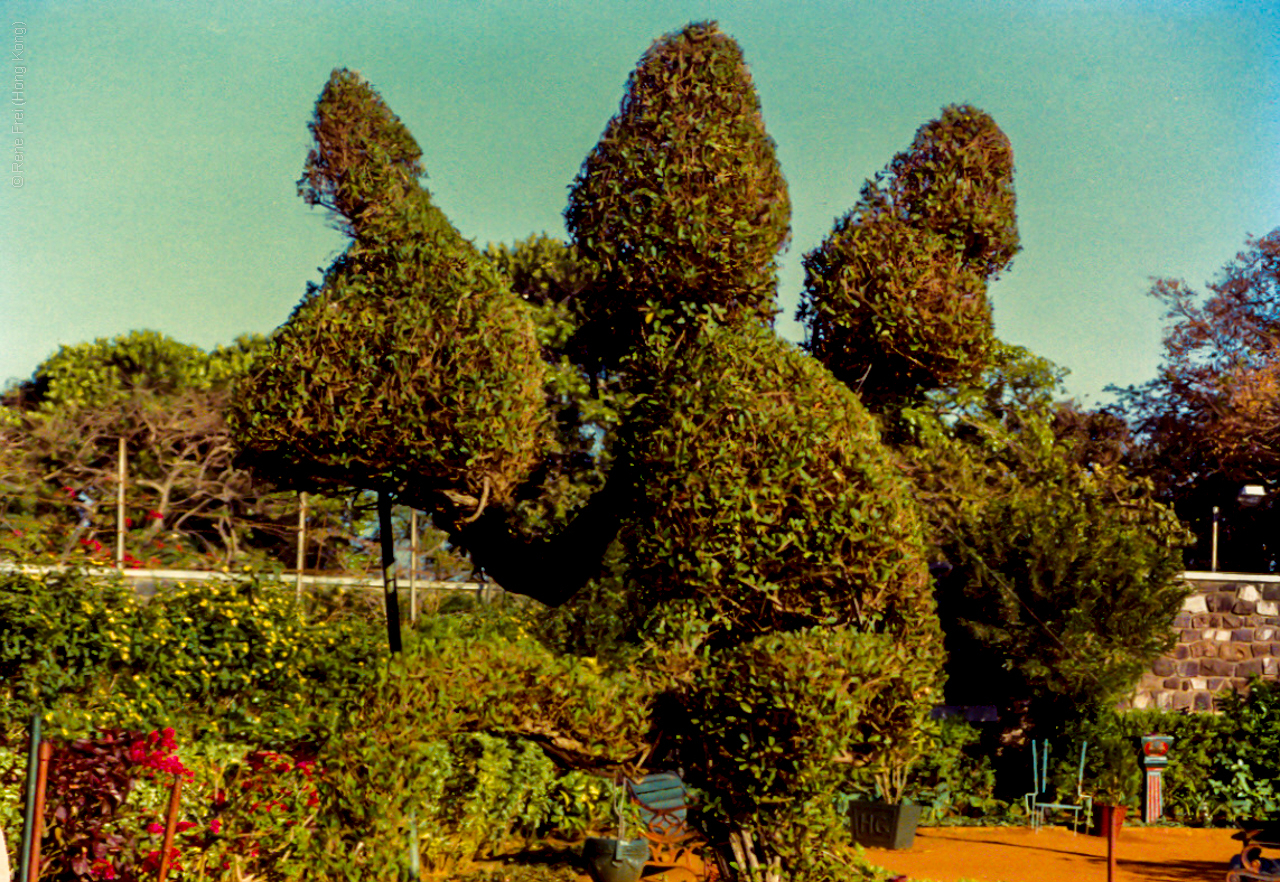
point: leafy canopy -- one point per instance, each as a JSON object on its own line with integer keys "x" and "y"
{"x": 681, "y": 203}
{"x": 894, "y": 301}
{"x": 413, "y": 368}
{"x": 1209, "y": 421}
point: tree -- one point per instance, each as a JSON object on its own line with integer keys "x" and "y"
{"x": 1064, "y": 568}
{"x": 739, "y": 491}
{"x": 1209, "y": 422}
{"x": 894, "y": 301}
{"x": 165, "y": 400}
{"x": 412, "y": 371}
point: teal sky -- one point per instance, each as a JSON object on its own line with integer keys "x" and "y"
{"x": 163, "y": 141}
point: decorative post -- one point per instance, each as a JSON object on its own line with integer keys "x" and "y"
{"x": 1155, "y": 750}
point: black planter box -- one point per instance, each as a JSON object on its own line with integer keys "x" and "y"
{"x": 613, "y": 860}
{"x": 879, "y": 825}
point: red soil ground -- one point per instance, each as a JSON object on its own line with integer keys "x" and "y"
{"x": 1055, "y": 854}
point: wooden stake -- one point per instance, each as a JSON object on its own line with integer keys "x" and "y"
{"x": 170, "y": 826}
{"x": 413, "y": 567}
{"x": 302, "y": 547}
{"x": 1110, "y": 817}
{"x": 120, "y": 478}
{"x": 37, "y": 819}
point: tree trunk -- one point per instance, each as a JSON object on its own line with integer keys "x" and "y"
{"x": 389, "y": 570}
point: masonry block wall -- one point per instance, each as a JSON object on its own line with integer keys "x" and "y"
{"x": 1228, "y": 631}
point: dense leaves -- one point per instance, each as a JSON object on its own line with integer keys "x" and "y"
{"x": 412, "y": 369}
{"x": 769, "y": 501}
{"x": 1209, "y": 421}
{"x": 895, "y": 298}
{"x": 1064, "y": 568}
{"x": 59, "y": 437}
{"x": 682, "y": 202}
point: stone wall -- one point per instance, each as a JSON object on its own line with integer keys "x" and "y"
{"x": 1228, "y": 631}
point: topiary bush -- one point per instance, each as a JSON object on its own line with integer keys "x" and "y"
{"x": 895, "y": 299}
{"x": 769, "y": 502}
{"x": 412, "y": 368}
{"x": 682, "y": 201}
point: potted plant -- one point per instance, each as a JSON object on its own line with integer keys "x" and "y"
{"x": 889, "y": 822}
{"x": 616, "y": 858}
{"x": 1116, "y": 778}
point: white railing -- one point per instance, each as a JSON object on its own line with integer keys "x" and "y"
{"x": 305, "y": 579}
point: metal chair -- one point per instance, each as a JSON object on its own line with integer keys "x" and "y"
{"x": 1035, "y": 802}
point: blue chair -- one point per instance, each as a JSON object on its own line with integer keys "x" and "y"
{"x": 1036, "y": 800}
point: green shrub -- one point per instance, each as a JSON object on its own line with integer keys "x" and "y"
{"x": 1193, "y": 780}
{"x": 681, "y": 204}
{"x": 1248, "y": 764}
{"x": 231, "y": 657}
{"x": 954, "y": 779}
{"x": 58, "y": 634}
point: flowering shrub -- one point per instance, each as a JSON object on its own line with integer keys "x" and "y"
{"x": 58, "y": 634}
{"x": 264, "y": 815}
{"x": 236, "y": 655}
{"x": 89, "y": 835}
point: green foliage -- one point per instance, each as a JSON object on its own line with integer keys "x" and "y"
{"x": 1249, "y": 763}
{"x": 364, "y": 158}
{"x": 91, "y": 655}
{"x": 463, "y": 746}
{"x": 58, "y": 633}
{"x": 791, "y": 719}
{"x": 413, "y": 368}
{"x": 682, "y": 201}
{"x": 586, "y": 408}
{"x": 1065, "y": 571}
{"x": 895, "y": 299}
{"x": 1196, "y": 779}
{"x": 164, "y": 399}
{"x": 954, "y": 779}
{"x": 479, "y": 673}
{"x": 768, "y": 500}
{"x": 108, "y": 370}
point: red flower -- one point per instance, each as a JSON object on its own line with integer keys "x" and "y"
{"x": 102, "y": 869}
{"x": 215, "y": 826}
{"x": 155, "y": 827}
{"x": 184, "y": 826}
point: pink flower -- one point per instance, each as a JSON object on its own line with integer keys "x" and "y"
{"x": 154, "y": 827}
{"x": 215, "y": 826}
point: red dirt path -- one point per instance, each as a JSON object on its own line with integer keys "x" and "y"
{"x": 1054, "y": 854}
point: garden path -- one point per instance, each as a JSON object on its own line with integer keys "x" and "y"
{"x": 1055, "y": 854}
